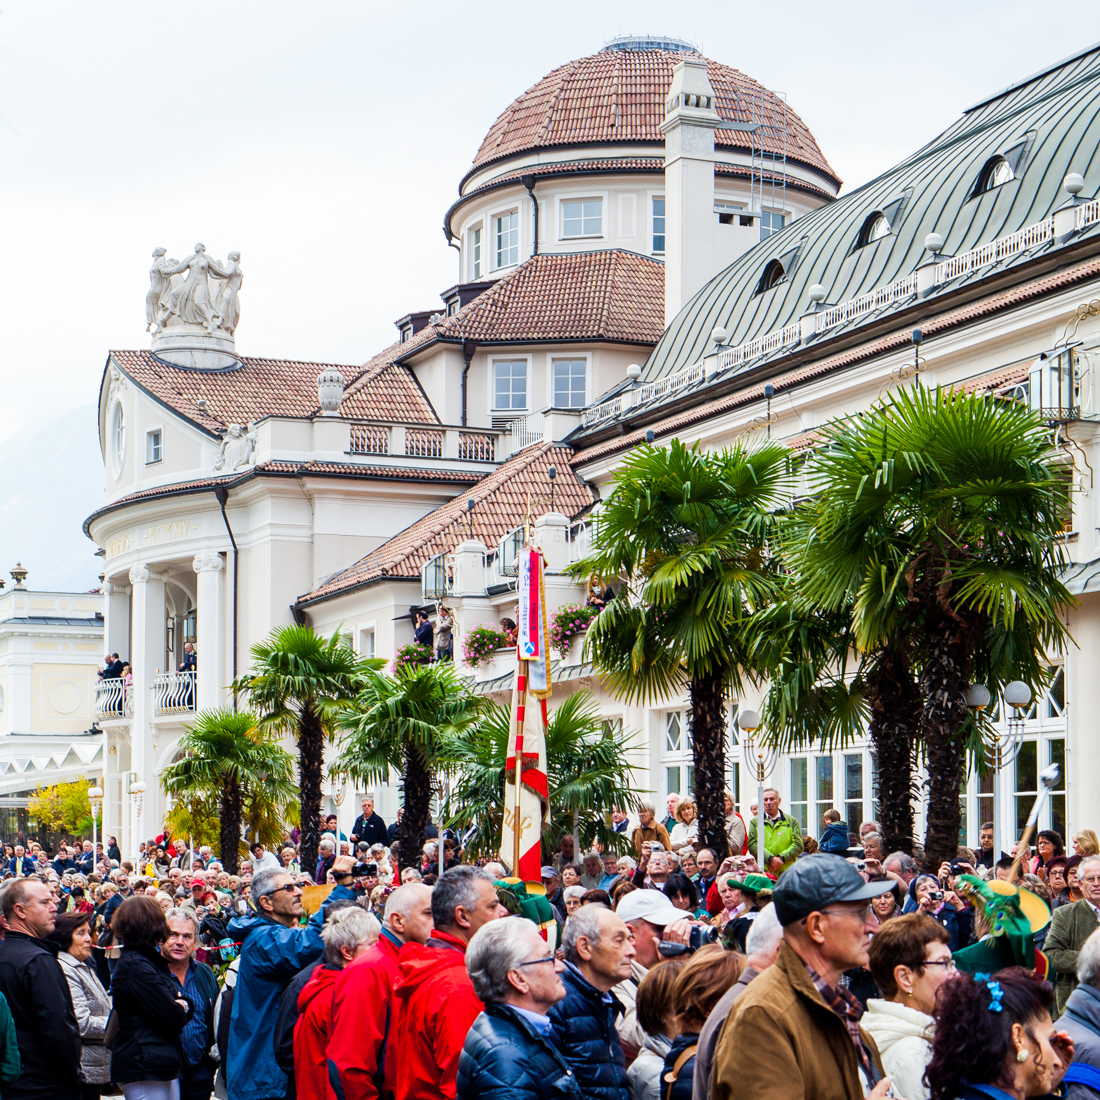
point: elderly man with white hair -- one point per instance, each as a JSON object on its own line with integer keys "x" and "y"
{"x": 509, "y": 1052}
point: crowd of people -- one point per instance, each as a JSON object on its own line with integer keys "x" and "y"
{"x": 827, "y": 968}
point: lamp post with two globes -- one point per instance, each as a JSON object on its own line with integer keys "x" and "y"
{"x": 95, "y": 799}
{"x": 762, "y": 761}
{"x": 1004, "y": 747}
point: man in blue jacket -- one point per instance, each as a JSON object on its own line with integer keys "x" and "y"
{"x": 273, "y": 949}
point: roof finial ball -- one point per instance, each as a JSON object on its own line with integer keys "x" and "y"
{"x": 817, "y": 294}
{"x": 933, "y": 243}
{"x": 634, "y": 372}
{"x": 719, "y": 335}
{"x": 1074, "y": 183}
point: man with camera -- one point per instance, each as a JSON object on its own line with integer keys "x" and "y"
{"x": 652, "y": 920}
{"x": 599, "y": 949}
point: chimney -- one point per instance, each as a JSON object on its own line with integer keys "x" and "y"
{"x": 690, "y": 220}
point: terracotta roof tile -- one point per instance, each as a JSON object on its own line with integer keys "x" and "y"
{"x": 606, "y": 295}
{"x": 501, "y": 497}
{"x": 290, "y": 469}
{"x": 998, "y": 381}
{"x": 619, "y": 96}
{"x": 275, "y": 387}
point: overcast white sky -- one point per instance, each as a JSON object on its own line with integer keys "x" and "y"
{"x": 325, "y": 141}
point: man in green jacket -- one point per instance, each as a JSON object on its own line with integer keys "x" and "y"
{"x": 782, "y": 836}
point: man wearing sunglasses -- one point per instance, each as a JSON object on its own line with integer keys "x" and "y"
{"x": 274, "y": 947}
{"x": 797, "y": 1015}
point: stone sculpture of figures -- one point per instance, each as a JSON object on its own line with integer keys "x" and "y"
{"x": 238, "y": 447}
{"x": 226, "y": 305}
{"x": 192, "y": 300}
{"x": 160, "y": 286}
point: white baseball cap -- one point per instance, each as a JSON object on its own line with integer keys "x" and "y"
{"x": 650, "y": 905}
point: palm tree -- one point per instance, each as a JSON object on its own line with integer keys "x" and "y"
{"x": 686, "y": 531}
{"x": 400, "y": 722}
{"x": 298, "y": 683}
{"x": 229, "y": 759}
{"x": 935, "y": 526}
{"x": 587, "y": 773}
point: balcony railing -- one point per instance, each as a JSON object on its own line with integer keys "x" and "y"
{"x": 1038, "y": 235}
{"x": 415, "y": 441}
{"x": 370, "y": 439}
{"x": 174, "y": 692}
{"x": 476, "y": 447}
{"x": 112, "y": 700}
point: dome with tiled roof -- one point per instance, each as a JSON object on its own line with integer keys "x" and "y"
{"x": 617, "y": 96}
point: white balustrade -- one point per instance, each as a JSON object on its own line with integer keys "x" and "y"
{"x": 528, "y": 431}
{"x": 964, "y": 263}
{"x": 174, "y": 692}
{"x": 112, "y": 700}
{"x": 995, "y": 251}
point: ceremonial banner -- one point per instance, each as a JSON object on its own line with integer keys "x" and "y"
{"x": 526, "y": 795}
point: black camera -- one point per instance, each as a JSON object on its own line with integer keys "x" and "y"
{"x": 701, "y": 935}
{"x": 959, "y": 867}
{"x": 365, "y": 870}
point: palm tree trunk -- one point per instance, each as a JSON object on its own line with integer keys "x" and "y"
{"x": 708, "y": 742}
{"x": 943, "y": 681}
{"x": 229, "y": 826}
{"x": 893, "y": 730}
{"x": 311, "y": 758}
{"x": 417, "y": 792}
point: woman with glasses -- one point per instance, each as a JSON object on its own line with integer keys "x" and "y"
{"x": 910, "y": 961}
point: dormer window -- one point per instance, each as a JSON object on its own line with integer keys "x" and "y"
{"x": 773, "y": 274}
{"x": 874, "y": 228}
{"x": 995, "y": 172}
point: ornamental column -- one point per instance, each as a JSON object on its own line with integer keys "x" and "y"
{"x": 212, "y": 680}
{"x": 146, "y": 658}
{"x": 116, "y": 628}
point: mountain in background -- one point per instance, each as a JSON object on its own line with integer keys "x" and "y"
{"x": 54, "y": 481}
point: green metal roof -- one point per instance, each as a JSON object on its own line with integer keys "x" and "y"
{"x": 1056, "y": 114}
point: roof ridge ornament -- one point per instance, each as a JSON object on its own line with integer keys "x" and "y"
{"x": 192, "y": 308}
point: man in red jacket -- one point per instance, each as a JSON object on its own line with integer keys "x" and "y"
{"x": 362, "y": 1002}
{"x": 347, "y": 934}
{"x": 434, "y": 997}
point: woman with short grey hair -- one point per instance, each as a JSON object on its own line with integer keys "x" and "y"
{"x": 347, "y": 934}
{"x": 573, "y": 895}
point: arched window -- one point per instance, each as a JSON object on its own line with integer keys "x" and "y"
{"x": 117, "y": 444}
{"x": 875, "y": 226}
{"x": 995, "y": 172}
{"x": 773, "y": 273}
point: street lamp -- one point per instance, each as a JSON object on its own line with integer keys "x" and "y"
{"x": 761, "y": 760}
{"x": 138, "y": 790}
{"x": 95, "y": 798}
{"x": 1003, "y": 749}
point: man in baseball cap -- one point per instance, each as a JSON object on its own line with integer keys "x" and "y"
{"x": 797, "y": 1014}
{"x": 651, "y": 917}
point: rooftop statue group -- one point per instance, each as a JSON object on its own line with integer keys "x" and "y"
{"x": 191, "y": 299}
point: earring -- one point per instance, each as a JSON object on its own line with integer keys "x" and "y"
{"x": 1021, "y": 1055}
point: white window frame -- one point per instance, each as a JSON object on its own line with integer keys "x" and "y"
{"x": 550, "y": 360}
{"x": 814, "y": 805}
{"x": 116, "y": 438}
{"x": 493, "y": 360}
{"x": 784, "y": 214}
{"x": 650, "y": 196}
{"x": 475, "y": 268}
{"x": 149, "y": 445}
{"x": 578, "y": 195}
{"x": 671, "y": 758}
{"x": 363, "y": 630}
{"x": 512, "y": 208}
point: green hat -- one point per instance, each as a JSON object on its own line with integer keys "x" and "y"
{"x": 522, "y": 900}
{"x": 751, "y": 883}
{"x": 1012, "y": 917}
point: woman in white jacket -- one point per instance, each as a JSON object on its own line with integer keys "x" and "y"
{"x": 73, "y": 935}
{"x": 910, "y": 960}
{"x": 685, "y": 833}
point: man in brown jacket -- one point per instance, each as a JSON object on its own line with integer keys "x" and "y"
{"x": 801, "y": 1024}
